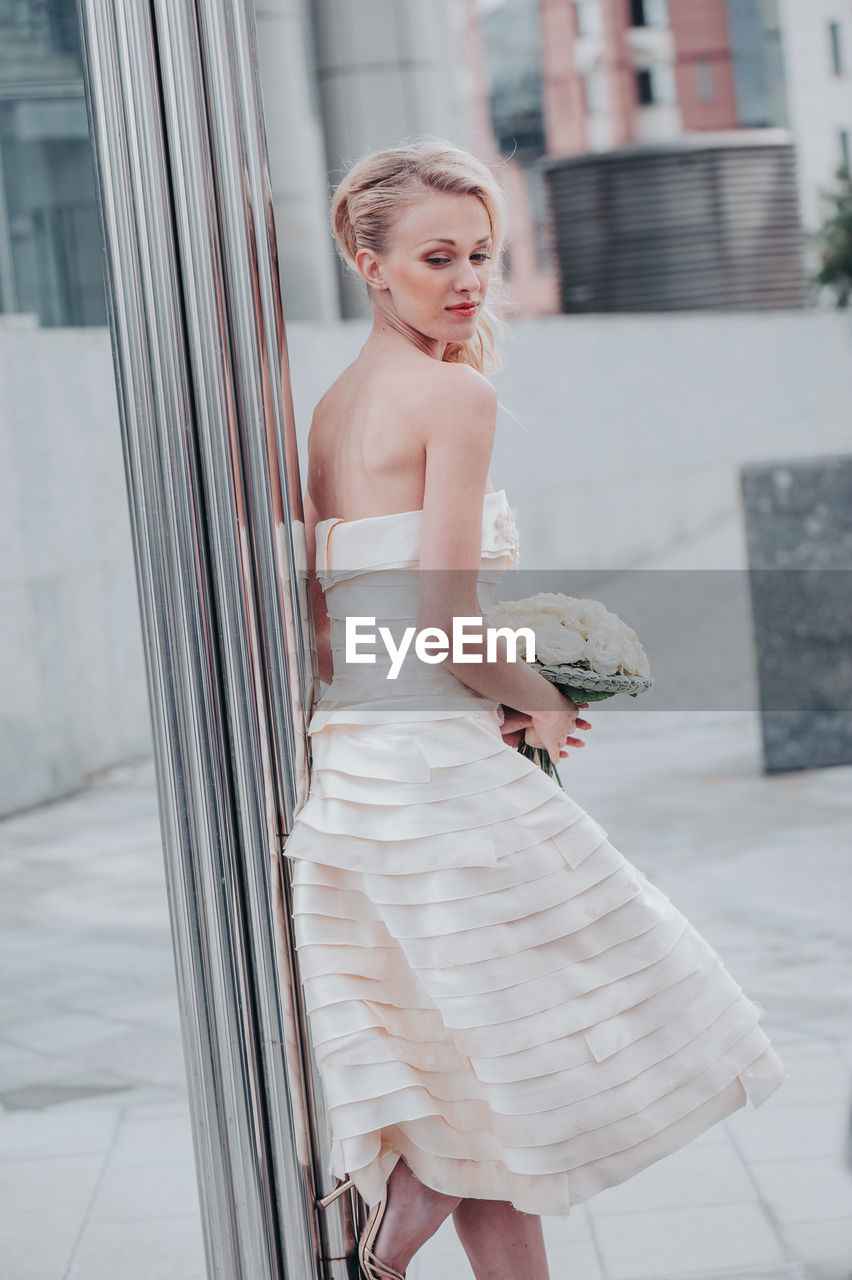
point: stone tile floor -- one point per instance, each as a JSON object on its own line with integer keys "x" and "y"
{"x": 96, "y": 1170}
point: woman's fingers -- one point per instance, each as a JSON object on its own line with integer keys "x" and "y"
{"x": 515, "y": 720}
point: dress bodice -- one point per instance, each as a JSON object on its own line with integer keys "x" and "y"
{"x": 347, "y": 547}
{"x": 369, "y": 569}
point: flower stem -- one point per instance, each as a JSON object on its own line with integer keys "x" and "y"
{"x": 541, "y": 757}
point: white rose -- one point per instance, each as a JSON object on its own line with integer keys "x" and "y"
{"x": 604, "y": 650}
{"x": 552, "y": 602}
{"x": 634, "y": 660}
{"x": 508, "y": 613}
{"x": 555, "y": 642}
{"x": 587, "y": 615}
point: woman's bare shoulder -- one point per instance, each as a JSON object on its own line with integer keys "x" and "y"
{"x": 462, "y": 380}
{"x": 452, "y": 395}
{"x": 427, "y": 396}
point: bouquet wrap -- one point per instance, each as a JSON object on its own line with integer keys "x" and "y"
{"x": 583, "y": 648}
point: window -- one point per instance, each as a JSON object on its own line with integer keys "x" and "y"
{"x": 845, "y": 151}
{"x": 836, "y": 48}
{"x": 655, "y": 86}
{"x": 51, "y": 262}
{"x": 704, "y": 86}
{"x": 649, "y": 13}
{"x": 512, "y": 46}
{"x": 644, "y": 88}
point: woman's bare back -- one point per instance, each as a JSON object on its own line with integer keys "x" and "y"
{"x": 366, "y": 445}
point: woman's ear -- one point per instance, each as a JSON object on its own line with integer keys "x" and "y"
{"x": 370, "y": 268}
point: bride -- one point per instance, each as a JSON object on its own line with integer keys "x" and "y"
{"x": 507, "y": 1017}
{"x": 410, "y": 424}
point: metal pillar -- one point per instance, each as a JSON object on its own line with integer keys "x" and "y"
{"x": 218, "y": 534}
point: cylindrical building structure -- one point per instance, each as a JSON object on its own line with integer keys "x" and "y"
{"x": 387, "y": 71}
{"x": 709, "y": 222}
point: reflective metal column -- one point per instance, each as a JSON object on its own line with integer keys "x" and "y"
{"x": 218, "y": 531}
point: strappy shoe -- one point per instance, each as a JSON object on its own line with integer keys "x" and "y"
{"x": 372, "y": 1267}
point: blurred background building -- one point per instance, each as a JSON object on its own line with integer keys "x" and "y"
{"x": 525, "y": 84}
{"x": 50, "y": 253}
{"x": 519, "y": 79}
{"x": 622, "y": 73}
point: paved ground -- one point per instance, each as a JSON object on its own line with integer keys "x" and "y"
{"x": 96, "y": 1174}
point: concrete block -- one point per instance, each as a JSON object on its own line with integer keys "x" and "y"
{"x": 798, "y": 516}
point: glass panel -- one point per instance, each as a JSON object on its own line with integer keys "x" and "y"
{"x": 649, "y": 13}
{"x": 50, "y": 253}
{"x": 704, "y": 80}
{"x": 39, "y": 40}
{"x": 512, "y": 42}
{"x": 50, "y": 224}
{"x": 758, "y": 62}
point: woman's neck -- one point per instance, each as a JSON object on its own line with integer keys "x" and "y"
{"x": 392, "y": 333}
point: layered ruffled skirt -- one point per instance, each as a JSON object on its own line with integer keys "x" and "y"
{"x": 494, "y": 992}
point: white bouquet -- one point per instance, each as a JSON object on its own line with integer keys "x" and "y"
{"x": 580, "y": 646}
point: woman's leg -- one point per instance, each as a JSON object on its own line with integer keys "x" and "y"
{"x": 414, "y": 1212}
{"x": 501, "y": 1242}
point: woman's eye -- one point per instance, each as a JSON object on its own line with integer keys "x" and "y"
{"x": 440, "y": 262}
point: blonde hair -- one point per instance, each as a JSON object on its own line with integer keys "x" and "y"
{"x": 380, "y": 184}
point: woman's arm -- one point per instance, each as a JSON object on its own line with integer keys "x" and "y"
{"x": 322, "y": 627}
{"x": 459, "y": 441}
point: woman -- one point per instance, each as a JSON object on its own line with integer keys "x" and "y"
{"x": 507, "y": 1016}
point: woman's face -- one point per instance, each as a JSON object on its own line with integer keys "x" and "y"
{"x": 435, "y": 273}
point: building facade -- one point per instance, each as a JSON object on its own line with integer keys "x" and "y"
{"x": 625, "y": 73}
{"x": 817, "y": 45}
{"x": 618, "y": 72}
{"x": 622, "y": 72}
{"x": 338, "y": 76}
{"x": 515, "y": 80}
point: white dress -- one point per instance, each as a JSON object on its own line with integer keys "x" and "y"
{"x": 494, "y": 992}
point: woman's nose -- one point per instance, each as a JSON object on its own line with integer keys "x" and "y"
{"x": 467, "y": 277}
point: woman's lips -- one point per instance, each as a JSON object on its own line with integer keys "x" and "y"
{"x": 464, "y": 309}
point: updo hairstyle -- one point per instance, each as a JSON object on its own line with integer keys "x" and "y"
{"x": 380, "y": 184}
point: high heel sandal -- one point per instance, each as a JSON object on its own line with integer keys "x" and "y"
{"x": 372, "y": 1267}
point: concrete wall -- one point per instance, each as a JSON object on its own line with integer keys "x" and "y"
{"x": 626, "y": 452}
{"x": 631, "y": 430}
{"x": 72, "y": 688}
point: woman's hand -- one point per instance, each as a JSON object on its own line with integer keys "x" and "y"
{"x": 549, "y": 726}
{"x": 513, "y": 726}
{"x": 556, "y": 727}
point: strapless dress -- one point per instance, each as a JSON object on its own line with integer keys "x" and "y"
{"x": 494, "y": 992}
